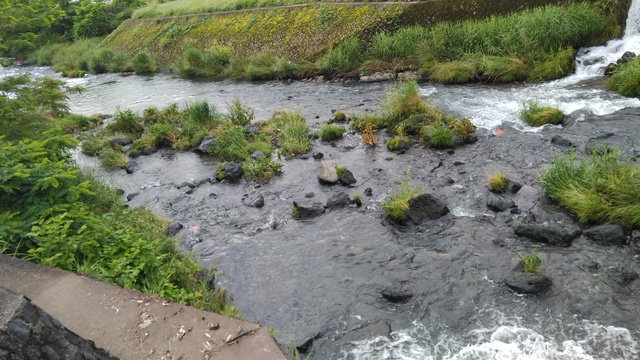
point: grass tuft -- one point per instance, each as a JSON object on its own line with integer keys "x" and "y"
{"x": 531, "y": 262}
{"x": 330, "y": 132}
{"x": 536, "y": 115}
{"x": 626, "y": 80}
{"x": 397, "y": 202}
{"x": 438, "y": 136}
{"x": 498, "y": 182}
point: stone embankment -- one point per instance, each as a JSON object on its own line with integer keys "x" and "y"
{"x": 125, "y": 323}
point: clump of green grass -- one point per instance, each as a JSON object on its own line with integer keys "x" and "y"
{"x": 100, "y": 61}
{"x": 211, "y": 63}
{"x": 553, "y": 65}
{"x": 437, "y": 136}
{"x": 330, "y": 132}
{"x": 497, "y": 182}
{"x": 111, "y": 158}
{"x": 142, "y": 63}
{"x": 261, "y": 170}
{"x": 340, "y": 170}
{"x": 531, "y": 262}
{"x": 396, "y": 142}
{"x": 238, "y": 113}
{"x": 344, "y": 58}
{"x": 502, "y": 68}
{"x": 463, "y": 128}
{"x": 397, "y": 203}
{"x": 536, "y": 115}
{"x": 94, "y": 143}
{"x": 260, "y": 145}
{"x": 72, "y": 123}
{"x": 127, "y": 122}
{"x": 602, "y": 188}
{"x": 626, "y": 80}
{"x": 453, "y": 72}
{"x": 231, "y": 144}
{"x": 292, "y": 131}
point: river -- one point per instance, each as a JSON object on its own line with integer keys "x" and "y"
{"x": 322, "y": 279}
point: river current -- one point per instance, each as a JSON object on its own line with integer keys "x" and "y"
{"x": 321, "y": 279}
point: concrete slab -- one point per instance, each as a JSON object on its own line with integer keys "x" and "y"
{"x": 133, "y": 325}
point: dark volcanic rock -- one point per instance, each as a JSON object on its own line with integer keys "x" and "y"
{"x": 552, "y": 234}
{"x": 369, "y": 331}
{"x": 560, "y": 141}
{"x": 207, "y": 143}
{"x": 120, "y": 140}
{"x": 396, "y": 295}
{"x": 513, "y": 187}
{"x": 306, "y": 208}
{"x": 598, "y": 144}
{"x": 621, "y": 276}
{"x": 607, "y": 234}
{"x": 527, "y": 283}
{"x": 232, "y": 171}
{"x": 173, "y": 228}
{"x": 338, "y": 201}
{"x": 499, "y": 203}
{"x": 257, "y": 202}
{"x": 131, "y": 166}
{"x": 132, "y": 195}
{"x": 347, "y": 178}
{"x": 426, "y": 207}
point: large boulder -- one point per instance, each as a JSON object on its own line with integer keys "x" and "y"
{"x": 304, "y": 208}
{"x": 131, "y": 166}
{"x": 173, "y": 228}
{"x": 426, "y": 207}
{"x": 552, "y": 234}
{"x": 609, "y": 234}
{"x": 528, "y": 283}
{"x": 396, "y": 295}
{"x": 327, "y": 172}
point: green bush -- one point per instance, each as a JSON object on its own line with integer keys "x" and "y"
{"x": 73, "y": 123}
{"x": 125, "y": 121}
{"x": 211, "y": 63}
{"x": 292, "y": 131}
{"x": 602, "y": 188}
{"x": 100, "y": 61}
{"x": 330, "y": 132}
{"x": 626, "y": 80}
{"x": 94, "y": 143}
{"x": 143, "y": 63}
{"x": 260, "y": 170}
{"x": 536, "y": 115}
{"x": 239, "y": 114}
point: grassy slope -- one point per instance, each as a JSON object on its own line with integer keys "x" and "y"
{"x": 300, "y": 33}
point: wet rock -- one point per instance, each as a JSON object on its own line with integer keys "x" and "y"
{"x": 609, "y": 234}
{"x": 338, "y": 201}
{"x": 149, "y": 150}
{"x": 499, "y": 203}
{"x": 426, "y": 207}
{"x": 376, "y": 77}
{"x": 207, "y": 143}
{"x": 513, "y": 187}
{"x": 368, "y": 331}
{"x": 318, "y": 156}
{"x": 131, "y": 166}
{"x": 190, "y": 240}
{"x": 258, "y": 155}
{"x": 307, "y": 344}
{"x": 626, "y": 57}
{"x": 185, "y": 184}
{"x": 253, "y": 129}
{"x": 347, "y": 178}
{"x": 499, "y": 242}
{"x": 598, "y": 144}
{"x": 256, "y": 203}
{"x": 560, "y": 141}
{"x": 132, "y": 195}
{"x": 307, "y": 209}
{"x": 310, "y": 195}
{"x": 368, "y": 192}
{"x": 552, "y": 234}
{"x": 528, "y": 283}
{"x": 395, "y": 295}
{"x": 173, "y": 228}
{"x": 621, "y": 276}
{"x": 232, "y": 171}
{"x": 327, "y": 172}
{"x": 120, "y": 140}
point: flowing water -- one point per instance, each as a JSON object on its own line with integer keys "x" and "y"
{"x": 322, "y": 279}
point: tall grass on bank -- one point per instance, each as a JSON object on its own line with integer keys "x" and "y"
{"x": 626, "y": 80}
{"x": 602, "y": 188}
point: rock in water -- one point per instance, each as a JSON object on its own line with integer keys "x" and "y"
{"x": 307, "y": 208}
{"x": 338, "y": 201}
{"x": 232, "y": 171}
{"x": 327, "y": 172}
{"x": 257, "y": 202}
{"x": 528, "y": 283}
{"x": 347, "y": 178}
{"x": 426, "y": 207}
{"x": 131, "y": 166}
{"x": 609, "y": 234}
{"x": 552, "y": 234}
{"x": 499, "y": 203}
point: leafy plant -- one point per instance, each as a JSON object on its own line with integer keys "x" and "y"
{"x": 340, "y": 170}
{"x": 239, "y": 114}
{"x": 125, "y": 121}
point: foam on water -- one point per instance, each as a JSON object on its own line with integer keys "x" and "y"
{"x": 582, "y": 340}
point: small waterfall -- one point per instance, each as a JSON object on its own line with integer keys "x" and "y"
{"x": 591, "y": 62}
